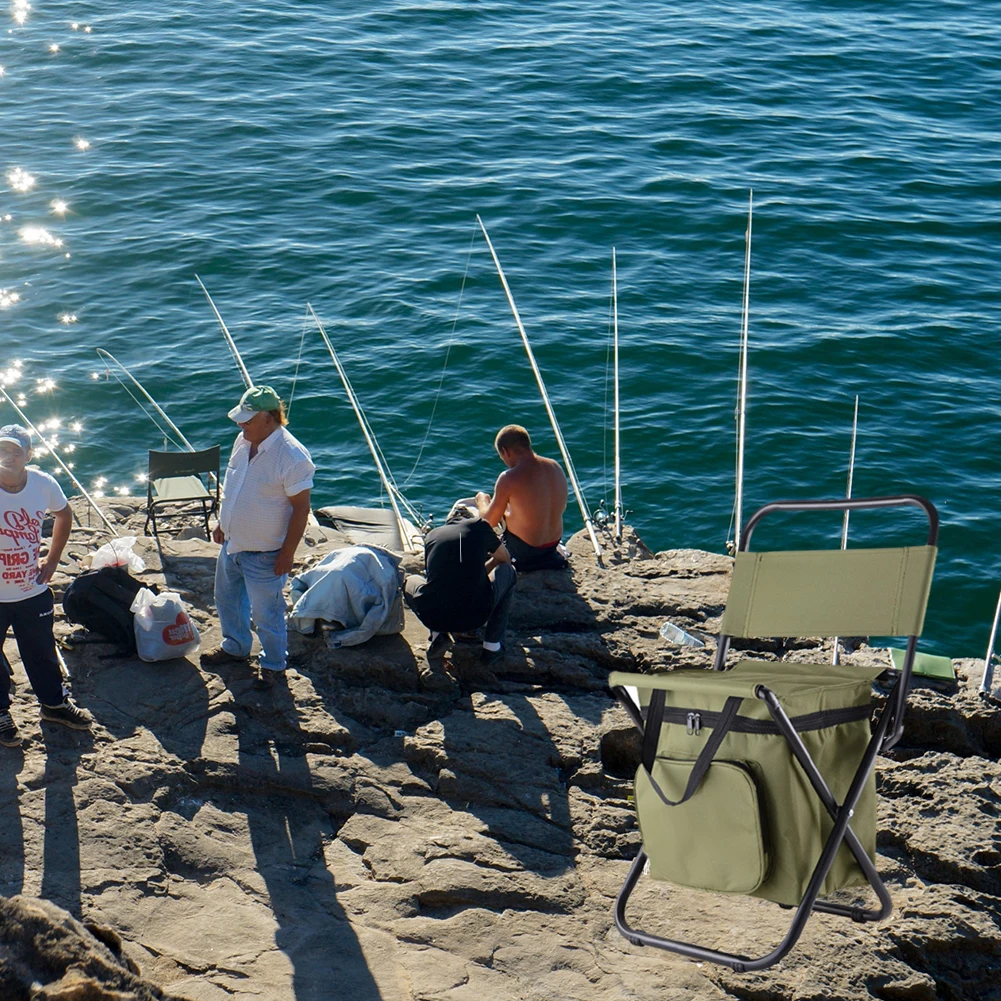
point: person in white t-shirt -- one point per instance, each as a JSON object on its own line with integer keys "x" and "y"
{"x": 263, "y": 514}
{"x": 25, "y": 597}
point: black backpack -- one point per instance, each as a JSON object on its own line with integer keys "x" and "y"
{"x": 101, "y": 602}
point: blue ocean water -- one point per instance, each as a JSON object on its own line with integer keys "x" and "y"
{"x": 338, "y": 154}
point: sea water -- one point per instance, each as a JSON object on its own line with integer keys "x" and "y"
{"x": 337, "y": 154}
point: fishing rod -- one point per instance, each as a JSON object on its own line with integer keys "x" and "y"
{"x": 836, "y": 656}
{"x": 156, "y": 406}
{"x": 987, "y": 682}
{"x": 545, "y": 398}
{"x": 66, "y": 469}
{"x": 618, "y": 478}
{"x": 229, "y": 337}
{"x": 742, "y": 375}
{"x": 391, "y": 490}
{"x": 390, "y": 478}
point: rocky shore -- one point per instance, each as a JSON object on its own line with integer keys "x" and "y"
{"x": 378, "y": 831}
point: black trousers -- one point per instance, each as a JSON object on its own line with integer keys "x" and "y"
{"x": 32, "y": 623}
{"x": 502, "y": 581}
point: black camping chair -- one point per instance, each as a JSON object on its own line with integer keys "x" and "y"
{"x": 182, "y": 478}
{"x": 801, "y": 731}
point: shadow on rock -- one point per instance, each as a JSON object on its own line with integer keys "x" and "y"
{"x": 61, "y": 880}
{"x": 169, "y": 698}
{"x": 11, "y": 828}
{"x": 290, "y": 821}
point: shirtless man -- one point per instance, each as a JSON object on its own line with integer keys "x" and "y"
{"x": 531, "y": 495}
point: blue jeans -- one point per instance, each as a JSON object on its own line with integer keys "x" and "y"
{"x": 246, "y": 588}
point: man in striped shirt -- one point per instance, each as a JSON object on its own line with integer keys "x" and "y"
{"x": 263, "y": 514}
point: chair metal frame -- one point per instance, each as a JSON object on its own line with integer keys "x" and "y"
{"x": 886, "y": 734}
{"x": 167, "y": 466}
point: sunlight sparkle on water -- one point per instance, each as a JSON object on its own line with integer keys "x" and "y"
{"x": 20, "y": 180}
{"x": 19, "y": 10}
{"x": 40, "y": 235}
{"x": 8, "y": 298}
{"x": 59, "y": 206}
{"x": 67, "y": 317}
{"x": 76, "y": 427}
{"x": 54, "y": 47}
{"x": 45, "y": 385}
{"x": 81, "y": 143}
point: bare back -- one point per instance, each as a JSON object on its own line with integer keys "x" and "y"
{"x": 535, "y": 491}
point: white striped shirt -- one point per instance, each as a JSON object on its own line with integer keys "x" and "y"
{"x": 255, "y": 509}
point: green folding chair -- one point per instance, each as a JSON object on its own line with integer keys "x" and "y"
{"x": 182, "y": 478}
{"x": 758, "y": 780}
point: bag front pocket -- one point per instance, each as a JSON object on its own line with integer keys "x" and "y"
{"x": 714, "y": 840}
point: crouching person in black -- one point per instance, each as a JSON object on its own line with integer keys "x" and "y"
{"x": 470, "y": 582}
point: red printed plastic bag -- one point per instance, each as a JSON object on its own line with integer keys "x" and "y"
{"x": 164, "y": 631}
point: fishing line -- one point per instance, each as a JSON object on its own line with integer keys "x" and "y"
{"x": 451, "y": 340}
{"x": 163, "y": 431}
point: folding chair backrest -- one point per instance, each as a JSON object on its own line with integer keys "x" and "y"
{"x": 164, "y": 465}
{"x": 850, "y": 592}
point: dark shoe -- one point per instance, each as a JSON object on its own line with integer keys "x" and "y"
{"x": 438, "y": 646}
{"x": 67, "y": 714}
{"x": 219, "y": 657}
{"x": 267, "y": 681}
{"x": 9, "y": 735}
{"x": 492, "y": 656}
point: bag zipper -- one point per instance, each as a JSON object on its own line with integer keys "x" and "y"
{"x": 695, "y": 719}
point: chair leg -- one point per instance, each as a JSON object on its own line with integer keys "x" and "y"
{"x": 205, "y": 515}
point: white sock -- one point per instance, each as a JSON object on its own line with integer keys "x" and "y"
{"x": 492, "y": 647}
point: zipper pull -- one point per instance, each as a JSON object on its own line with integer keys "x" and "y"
{"x": 694, "y": 724}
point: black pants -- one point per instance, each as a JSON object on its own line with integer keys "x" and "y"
{"x": 502, "y": 582}
{"x": 32, "y": 622}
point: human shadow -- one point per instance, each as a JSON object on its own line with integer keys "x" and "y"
{"x": 502, "y": 760}
{"x": 61, "y": 879}
{"x": 289, "y": 824}
{"x": 11, "y": 827}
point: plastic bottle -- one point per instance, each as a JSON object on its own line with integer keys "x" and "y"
{"x": 676, "y": 635}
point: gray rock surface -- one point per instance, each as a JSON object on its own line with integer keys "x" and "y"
{"x": 381, "y": 831}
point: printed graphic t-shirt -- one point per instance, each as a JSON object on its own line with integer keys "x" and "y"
{"x": 21, "y": 517}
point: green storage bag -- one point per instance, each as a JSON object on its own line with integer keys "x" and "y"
{"x": 709, "y": 839}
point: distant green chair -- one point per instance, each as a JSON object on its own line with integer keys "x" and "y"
{"x": 758, "y": 780}
{"x": 184, "y": 478}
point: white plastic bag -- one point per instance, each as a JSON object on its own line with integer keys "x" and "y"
{"x": 164, "y": 630}
{"x": 118, "y": 553}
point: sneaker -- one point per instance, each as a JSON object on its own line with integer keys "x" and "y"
{"x": 67, "y": 714}
{"x": 492, "y": 656}
{"x": 267, "y": 681}
{"x": 219, "y": 656}
{"x": 9, "y": 735}
{"x": 438, "y": 646}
